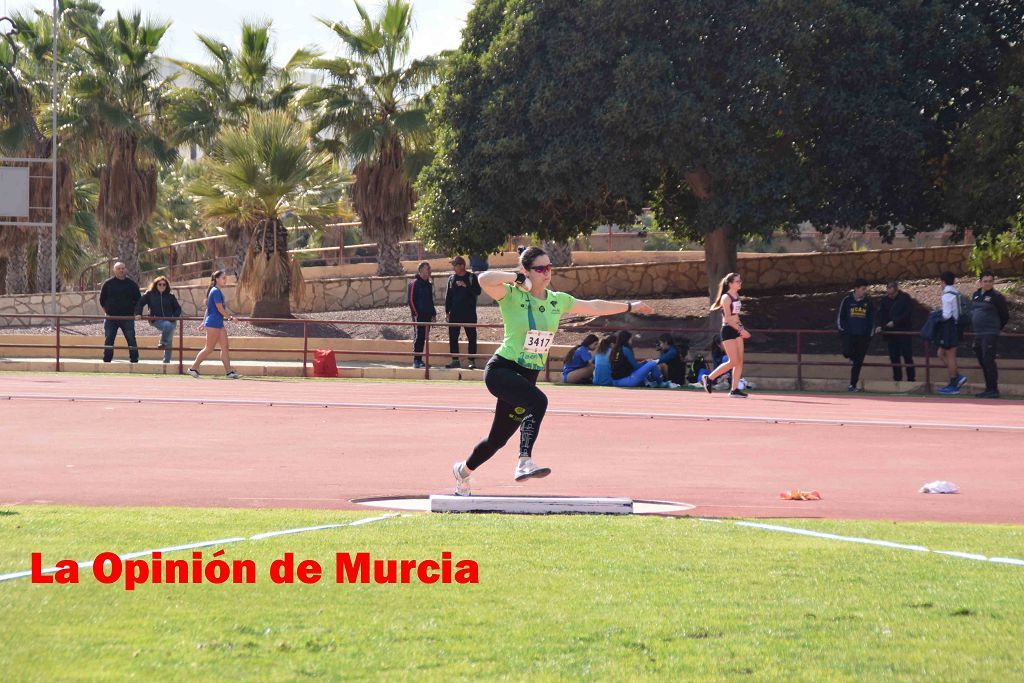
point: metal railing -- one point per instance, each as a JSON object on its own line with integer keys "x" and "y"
{"x": 800, "y": 336}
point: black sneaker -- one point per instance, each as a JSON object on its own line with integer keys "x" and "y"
{"x": 454, "y": 364}
{"x": 987, "y": 394}
{"x": 472, "y": 365}
{"x": 736, "y": 393}
{"x": 708, "y": 387}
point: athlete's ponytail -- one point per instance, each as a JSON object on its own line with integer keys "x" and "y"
{"x": 213, "y": 281}
{"x": 723, "y": 287}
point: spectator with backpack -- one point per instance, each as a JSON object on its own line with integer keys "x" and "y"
{"x": 989, "y": 315}
{"x": 950, "y": 330}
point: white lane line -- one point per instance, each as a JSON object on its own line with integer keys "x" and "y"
{"x": 700, "y": 417}
{"x": 206, "y": 544}
{"x": 871, "y": 541}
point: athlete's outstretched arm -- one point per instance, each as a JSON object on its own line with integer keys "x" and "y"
{"x": 602, "y": 307}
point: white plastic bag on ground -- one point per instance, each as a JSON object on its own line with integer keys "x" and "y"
{"x": 940, "y": 487}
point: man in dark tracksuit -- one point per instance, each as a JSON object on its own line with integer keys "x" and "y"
{"x": 118, "y": 296}
{"x": 989, "y": 315}
{"x": 856, "y": 323}
{"x": 894, "y": 316}
{"x": 460, "y": 307}
{"x": 421, "y": 304}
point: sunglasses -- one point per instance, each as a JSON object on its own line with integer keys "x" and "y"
{"x": 161, "y": 284}
{"x": 541, "y": 269}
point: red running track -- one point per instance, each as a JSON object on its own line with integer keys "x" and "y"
{"x": 176, "y": 441}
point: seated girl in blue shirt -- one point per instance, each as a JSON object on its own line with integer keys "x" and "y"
{"x": 579, "y": 362}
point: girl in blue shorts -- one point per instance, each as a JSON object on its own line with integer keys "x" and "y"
{"x": 213, "y": 323}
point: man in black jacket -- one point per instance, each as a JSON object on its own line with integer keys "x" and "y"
{"x": 118, "y": 297}
{"x": 894, "y": 316}
{"x": 460, "y": 307}
{"x": 989, "y": 315}
{"x": 855, "y": 321}
{"x": 421, "y": 305}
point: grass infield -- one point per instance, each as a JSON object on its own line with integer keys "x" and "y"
{"x": 558, "y": 598}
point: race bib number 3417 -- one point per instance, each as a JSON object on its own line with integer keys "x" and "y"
{"x": 538, "y": 341}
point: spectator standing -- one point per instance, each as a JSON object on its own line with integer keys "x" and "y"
{"x": 460, "y": 307}
{"x": 421, "y": 305}
{"x": 949, "y": 333}
{"x": 989, "y": 315}
{"x": 894, "y": 316}
{"x": 118, "y": 297}
{"x": 162, "y": 304}
{"x": 855, "y": 321}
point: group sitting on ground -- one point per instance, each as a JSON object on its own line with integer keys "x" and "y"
{"x": 610, "y": 361}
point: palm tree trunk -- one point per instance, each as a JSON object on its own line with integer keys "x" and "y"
{"x": 128, "y": 251}
{"x": 267, "y": 277}
{"x": 241, "y": 249}
{"x": 43, "y": 261}
{"x": 389, "y": 257}
{"x": 3, "y": 275}
{"x": 560, "y": 253}
{"x": 17, "y": 269}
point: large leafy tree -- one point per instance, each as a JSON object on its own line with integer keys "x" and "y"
{"x": 224, "y": 91}
{"x": 987, "y": 171}
{"x": 735, "y": 119}
{"x": 258, "y": 174}
{"x": 373, "y": 111}
{"x": 119, "y": 96}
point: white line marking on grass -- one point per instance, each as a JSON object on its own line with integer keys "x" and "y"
{"x": 206, "y": 544}
{"x": 700, "y": 417}
{"x": 872, "y": 541}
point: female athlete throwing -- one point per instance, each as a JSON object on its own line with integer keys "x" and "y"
{"x": 531, "y": 314}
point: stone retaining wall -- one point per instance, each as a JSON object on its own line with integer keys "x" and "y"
{"x": 761, "y": 273}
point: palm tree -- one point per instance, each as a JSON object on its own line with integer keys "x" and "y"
{"x": 118, "y": 94}
{"x": 374, "y": 111}
{"x": 258, "y": 174}
{"x": 26, "y": 75}
{"x": 225, "y": 91}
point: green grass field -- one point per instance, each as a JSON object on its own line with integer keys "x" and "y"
{"x": 558, "y": 598}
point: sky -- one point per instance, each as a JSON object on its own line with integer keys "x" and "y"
{"x": 438, "y": 23}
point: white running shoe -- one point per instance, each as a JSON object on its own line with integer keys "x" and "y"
{"x": 669, "y": 385}
{"x": 193, "y": 373}
{"x": 526, "y": 469}
{"x": 461, "y": 481}
{"x": 233, "y": 375}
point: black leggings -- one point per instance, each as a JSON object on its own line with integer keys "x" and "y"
{"x": 521, "y": 405}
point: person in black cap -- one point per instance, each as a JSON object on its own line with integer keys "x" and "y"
{"x": 460, "y": 307}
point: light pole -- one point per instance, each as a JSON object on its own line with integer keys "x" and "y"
{"x": 53, "y": 174}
